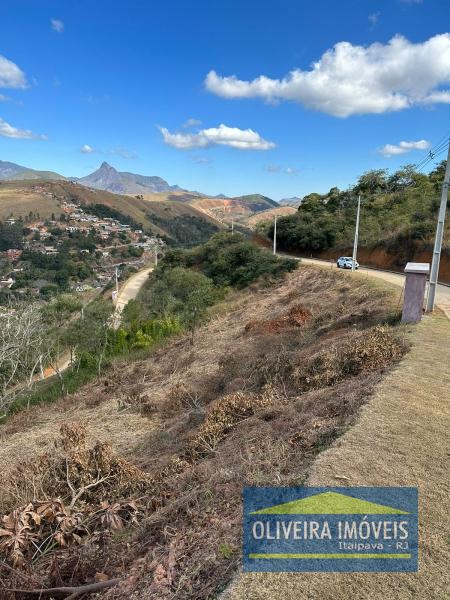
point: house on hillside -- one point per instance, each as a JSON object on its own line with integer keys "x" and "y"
{"x": 6, "y": 283}
{"x": 50, "y": 250}
{"x": 13, "y": 254}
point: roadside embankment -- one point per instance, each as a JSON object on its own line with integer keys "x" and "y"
{"x": 382, "y": 258}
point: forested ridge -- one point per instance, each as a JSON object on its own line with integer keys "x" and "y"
{"x": 397, "y": 210}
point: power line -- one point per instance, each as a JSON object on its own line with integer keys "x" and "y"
{"x": 433, "y": 152}
{"x": 438, "y": 238}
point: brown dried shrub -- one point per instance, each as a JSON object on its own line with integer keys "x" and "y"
{"x": 180, "y": 398}
{"x": 226, "y": 412}
{"x": 136, "y": 400}
{"x": 368, "y": 350}
{"x": 295, "y": 317}
{"x": 76, "y": 472}
{"x": 35, "y": 529}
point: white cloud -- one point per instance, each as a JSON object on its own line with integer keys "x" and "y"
{"x": 10, "y": 75}
{"x": 124, "y": 153}
{"x": 201, "y": 160}
{"x": 86, "y": 149}
{"x": 291, "y": 171}
{"x": 7, "y": 130}
{"x": 243, "y": 139}
{"x": 57, "y": 25}
{"x": 403, "y": 147}
{"x": 4, "y": 98}
{"x": 374, "y": 18}
{"x": 191, "y": 123}
{"x": 283, "y": 170}
{"x": 411, "y": 1}
{"x": 349, "y": 80}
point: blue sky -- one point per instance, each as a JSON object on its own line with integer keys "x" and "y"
{"x": 127, "y": 83}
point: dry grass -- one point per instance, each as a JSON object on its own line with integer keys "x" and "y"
{"x": 34, "y": 432}
{"x": 231, "y": 410}
{"x": 400, "y": 439}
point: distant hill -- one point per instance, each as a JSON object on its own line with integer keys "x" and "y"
{"x": 177, "y": 222}
{"x": 238, "y": 209}
{"x": 11, "y": 171}
{"x": 107, "y": 178}
{"x": 295, "y": 201}
{"x": 268, "y": 215}
{"x": 256, "y": 202}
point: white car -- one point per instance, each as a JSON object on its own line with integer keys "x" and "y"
{"x": 345, "y": 262}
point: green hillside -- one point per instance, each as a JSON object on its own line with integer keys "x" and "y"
{"x": 398, "y": 214}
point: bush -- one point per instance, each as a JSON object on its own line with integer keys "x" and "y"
{"x": 362, "y": 351}
{"x": 232, "y": 260}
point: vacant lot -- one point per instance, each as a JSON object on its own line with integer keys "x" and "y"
{"x": 400, "y": 439}
{"x": 277, "y": 375}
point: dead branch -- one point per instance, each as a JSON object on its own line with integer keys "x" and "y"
{"x": 76, "y": 495}
{"x": 74, "y": 592}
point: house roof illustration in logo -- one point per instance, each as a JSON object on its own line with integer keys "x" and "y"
{"x": 329, "y": 503}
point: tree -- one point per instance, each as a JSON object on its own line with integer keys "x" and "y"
{"x": 57, "y": 315}
{"x": 11, "y": 235}
{"x": 94, "y": 332}
{"x": 183, "y": 292}
{"x": 23, "y": 349}
{"x": 372, "y": 181}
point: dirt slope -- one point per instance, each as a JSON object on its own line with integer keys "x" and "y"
{"x": 268, "y": 215}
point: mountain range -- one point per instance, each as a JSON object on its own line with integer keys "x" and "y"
{"x": 107, "y": 178}
{"x": 295, "y": 201}
{"x": 11, "y": 171}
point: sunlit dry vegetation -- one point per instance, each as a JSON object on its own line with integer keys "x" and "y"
{"x": 275, "y": 376}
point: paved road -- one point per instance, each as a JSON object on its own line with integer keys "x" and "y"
{"x": 442, "y": 294}
{"x": 128, "y": 292}
{"x": 131, "y": 288}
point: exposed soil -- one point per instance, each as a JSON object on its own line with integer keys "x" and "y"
{"x": 382, "y": 258}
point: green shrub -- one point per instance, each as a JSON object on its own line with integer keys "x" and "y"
{"x": 231, "y": 260}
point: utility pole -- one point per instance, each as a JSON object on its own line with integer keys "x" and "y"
{"x": 275, "y": 235}
{"x": 156, "y": 256}
{"x": 232, "y": 226}
{"x": 434, "y": 274}
{"x": 117, "y": 280}
{"x": 355, "y": 243}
